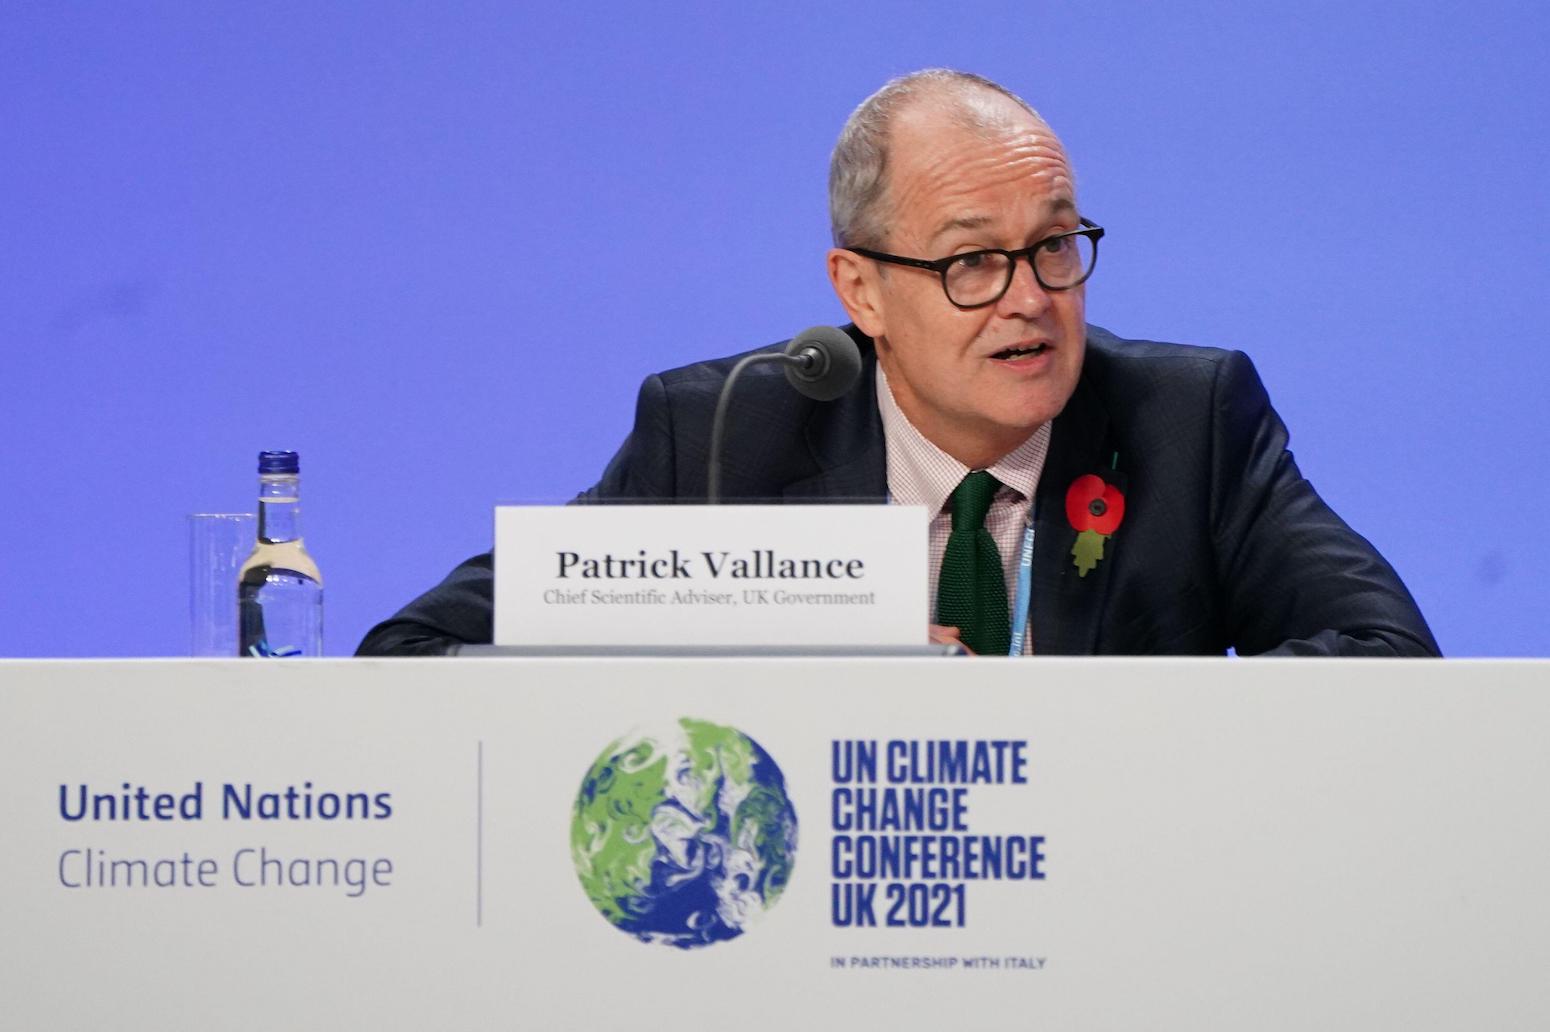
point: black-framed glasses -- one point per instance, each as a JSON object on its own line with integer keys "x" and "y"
{"x": 979, "y": 278}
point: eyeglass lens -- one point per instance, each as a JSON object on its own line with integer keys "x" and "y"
{"x": 978, "y": 279}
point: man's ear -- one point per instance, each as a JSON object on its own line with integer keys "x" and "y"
{"x": 855, "y": 283}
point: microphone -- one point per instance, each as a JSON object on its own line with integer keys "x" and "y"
{"x": 827, "y": 365}
{"x": 821, "y": 362}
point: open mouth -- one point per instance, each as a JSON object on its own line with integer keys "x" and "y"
{"x": 1011, "y": 354}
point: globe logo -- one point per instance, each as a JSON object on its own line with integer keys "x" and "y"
{"x": 685, "y": 837}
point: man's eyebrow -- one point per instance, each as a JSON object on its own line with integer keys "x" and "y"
{"x": 962, "y": 222}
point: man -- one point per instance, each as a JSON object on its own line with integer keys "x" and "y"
{"x": 1152, "y": 480}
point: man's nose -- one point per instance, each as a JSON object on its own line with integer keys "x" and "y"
{"x": 1024, "y": 296}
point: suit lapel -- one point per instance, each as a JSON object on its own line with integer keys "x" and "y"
{"x": 1067, "y": 607}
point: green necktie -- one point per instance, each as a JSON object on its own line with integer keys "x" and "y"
{"x": 971, "y": 589}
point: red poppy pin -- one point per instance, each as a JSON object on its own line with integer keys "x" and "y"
{"x": 1096, "y": 509}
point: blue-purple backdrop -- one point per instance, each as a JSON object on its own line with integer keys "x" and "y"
{"x": 435, "y": 248}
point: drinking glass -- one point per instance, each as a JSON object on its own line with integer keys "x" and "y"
{"x": 218, "y": 542}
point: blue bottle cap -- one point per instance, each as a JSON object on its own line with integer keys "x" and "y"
{"x": 278, "y": 462}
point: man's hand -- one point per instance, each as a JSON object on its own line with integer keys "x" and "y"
{"x": 940, "y": 635}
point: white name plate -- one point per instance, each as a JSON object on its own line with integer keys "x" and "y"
{"x": 711, "y": 575}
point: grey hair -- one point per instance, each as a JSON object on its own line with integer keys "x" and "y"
{"x": 858, "y": 168}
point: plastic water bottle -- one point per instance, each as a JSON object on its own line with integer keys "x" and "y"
{"x": 279, "y": 588}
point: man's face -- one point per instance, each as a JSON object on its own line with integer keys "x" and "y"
{"x": 973, "y": 382}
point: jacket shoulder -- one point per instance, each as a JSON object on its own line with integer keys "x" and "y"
{"x": 1113, "y": 357}
{"x": 1154, "y": 376}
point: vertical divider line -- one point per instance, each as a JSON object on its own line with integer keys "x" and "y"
{"x": 479, "y": 841}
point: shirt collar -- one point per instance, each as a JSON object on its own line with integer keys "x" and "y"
{"x": 920, "y": 473}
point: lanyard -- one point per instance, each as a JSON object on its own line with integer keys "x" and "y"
{"x": 1024, "y": 588}
{"x": 1024, "y": 601}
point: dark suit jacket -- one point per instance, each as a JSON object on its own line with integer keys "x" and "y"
{"x": 1223, "y": 545}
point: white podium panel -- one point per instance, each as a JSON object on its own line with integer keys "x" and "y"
{"x": 768, "y": 844}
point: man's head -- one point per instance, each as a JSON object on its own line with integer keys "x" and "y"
{"x": 940, "y": 163}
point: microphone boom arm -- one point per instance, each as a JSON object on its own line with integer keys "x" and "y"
{"x": 718, "y": 423}
{"x": 821, "y": 362}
